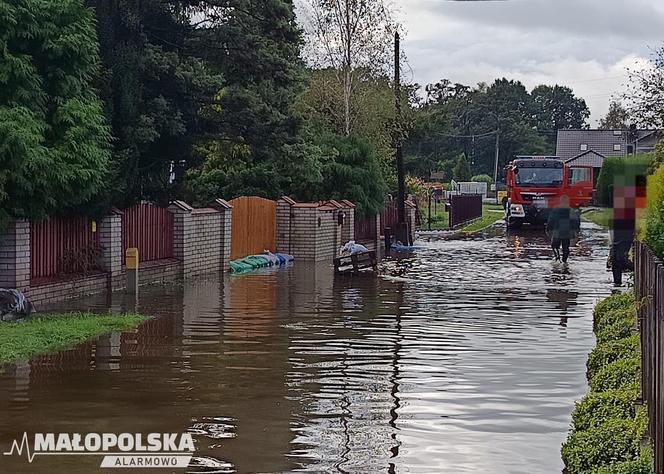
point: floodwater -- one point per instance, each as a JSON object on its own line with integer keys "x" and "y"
{"x": 466, "y": 357}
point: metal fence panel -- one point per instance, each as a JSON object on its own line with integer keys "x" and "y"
{"x": 61, "y": 246}
{"x": 464, "y": 208}
{"x": 150, "y": 229}
{"x": 649, "y": 288}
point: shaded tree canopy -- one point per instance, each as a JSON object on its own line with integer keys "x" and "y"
{"x": 155, "y": 92}
{"x": 54, "y": 140}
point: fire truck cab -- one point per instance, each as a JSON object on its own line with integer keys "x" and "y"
{"x": 535, "y": 185}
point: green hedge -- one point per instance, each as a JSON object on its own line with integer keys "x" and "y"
{"x": 642, "y": 465}
{"x": 604, "y": 354}
{"x": 620, "y": 374}
{"x": 613, "y": 441}
{"x": 607, "y": 426}
{"x": 596, "y": 408}
{"x": 621, "y": 328}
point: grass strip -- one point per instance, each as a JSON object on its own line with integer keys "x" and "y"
{"x": 600, "y": 217}
{"x": 45, "y": 334}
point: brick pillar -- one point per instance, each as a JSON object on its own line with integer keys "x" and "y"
{"x": 15, "y": 255}
{"x": 226, "y": 210}
{"x": 110, "y": 240}
{"x": 410, "y": 218}
{"x": 348, "y": 227}
{"x": 182, "y": 234}
{"x": 285, "y": 225}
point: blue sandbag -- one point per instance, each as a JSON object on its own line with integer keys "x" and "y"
{"x": 405, "y": 248}
{"x": 285, "y": 258}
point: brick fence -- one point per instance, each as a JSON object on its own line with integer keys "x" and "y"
{"x": 314, "y": 231}
{"x": 201, "y": 245}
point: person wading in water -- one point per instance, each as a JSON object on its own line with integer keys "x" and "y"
{"x": 562, "y": 226}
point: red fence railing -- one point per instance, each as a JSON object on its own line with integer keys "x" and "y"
{"x": 365, "y": 229}
{"x": 649, "y": 289}
{"x": 390, "y": 216}
{"x": 150, "y": 229}
{"x": 63, "y": 245}
{"x": 465, "y": 208}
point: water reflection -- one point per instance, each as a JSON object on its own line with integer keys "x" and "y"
{"x": 454, "y": 362}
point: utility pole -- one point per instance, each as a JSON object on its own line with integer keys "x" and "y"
{"x": 495, "y": 164}
{"x": 402, "y": 232}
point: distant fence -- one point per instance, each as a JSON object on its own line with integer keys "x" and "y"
{"x": 649, "y": 288}
{"x": 62, "y": 245}
{"x": 365, "y": 230}
{"x": 150, "y": 229}
{"x": 464, "y": 208}
{"x": 390, "y": 216}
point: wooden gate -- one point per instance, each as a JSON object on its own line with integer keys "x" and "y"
{"x": 254, "y": 226}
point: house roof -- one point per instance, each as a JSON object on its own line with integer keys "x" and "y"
{"x": 569, "y": 143}
{"x": 587, "y": 158}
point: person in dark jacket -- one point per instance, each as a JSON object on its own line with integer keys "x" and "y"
{"x": 562, "y": 227}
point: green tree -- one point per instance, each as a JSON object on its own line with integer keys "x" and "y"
{"x": 556, "y": 108}
{"x": 353, "y": 173}
{"x": 156, "y": 94}
{"x": 616, "y": 118}
{"x": 54, "y": 141}
{"x": 258, "y": 143}
{"x": 462, "y": 169}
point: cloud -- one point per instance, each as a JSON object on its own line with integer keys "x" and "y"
{"x": 585, "y": 44}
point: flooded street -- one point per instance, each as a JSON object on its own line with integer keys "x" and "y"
{"x": 466, "y": 357}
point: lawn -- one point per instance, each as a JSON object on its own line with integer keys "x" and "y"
{"x": 599, "y": 216}
{"x": 440, "y": 218}
{"x": 489, "y": 217}
{"x": 52, "y": 333}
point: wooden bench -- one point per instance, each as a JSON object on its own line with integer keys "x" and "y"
{"x": 354, "y": 264}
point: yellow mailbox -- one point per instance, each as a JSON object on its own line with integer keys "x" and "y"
{"x": 131, "y": 258}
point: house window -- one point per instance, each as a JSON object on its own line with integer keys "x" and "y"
{"x": 583, "y": 147}
{"x": 617, "y": 133}
{"x": 630, "y": 149}
{"x": 617, "y": 147}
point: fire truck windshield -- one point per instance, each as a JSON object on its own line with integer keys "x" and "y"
{"x": 544, "y": 177}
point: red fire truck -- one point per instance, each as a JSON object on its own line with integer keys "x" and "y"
{"x": 535, "y": 185}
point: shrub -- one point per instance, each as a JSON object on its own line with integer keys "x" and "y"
{"x": 622, "y": 301}
{"x": 642, "y": 465}
{"x": 654, "y": 228}
{"x": 482, "y": 178}
{"x": 595, "y": 408}
{"x": 613, "y": 441}
{"x": 604, "y": 354}
{"x": 612, "y": 167}
{"x": 621, "y": 374}
{"x": 623, "y": 326}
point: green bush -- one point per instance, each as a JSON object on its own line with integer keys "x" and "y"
{"x": 623, "y": 326}
{"x": 621, "y": 374}
{"x": 642, "y": 465}
{"x": 482, "y": 178}
{"x": 613, "y": 441}
{"x": 622, "y": 301}
{"x": 654, "y": 228}
{"x": 595, "y": 408}
{"x": 604, "y": 354}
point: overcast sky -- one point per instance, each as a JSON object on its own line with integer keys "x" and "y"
{"x": 585, "y": 44}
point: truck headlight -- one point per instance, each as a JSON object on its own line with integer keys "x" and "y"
{"x": 517, "y": 210}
